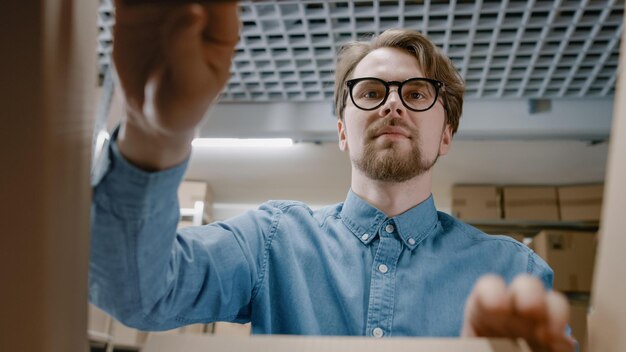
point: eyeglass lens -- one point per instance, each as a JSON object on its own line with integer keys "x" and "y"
{"x": 416, "y": 94}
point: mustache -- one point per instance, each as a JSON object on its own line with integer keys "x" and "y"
{"x": 375, "y": 129}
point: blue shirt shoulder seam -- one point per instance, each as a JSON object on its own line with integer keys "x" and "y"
{"x": 268, "y": 244}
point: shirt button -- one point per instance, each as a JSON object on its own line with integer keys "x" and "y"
{"x": 383, "y": 269}
{"x": 411, "y": 241}
{"x": 365, "y": 236}
{"x": 378, "y": 332}
{"x": 389, "y": 228}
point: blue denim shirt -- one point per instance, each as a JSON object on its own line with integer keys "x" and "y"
{"x": 346, "y": 269}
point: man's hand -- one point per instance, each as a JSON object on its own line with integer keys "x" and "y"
{"x": 523, "y": 310}
{"x": 172, "y": 61}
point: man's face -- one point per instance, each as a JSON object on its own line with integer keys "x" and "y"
{"x": 393, "y": 143}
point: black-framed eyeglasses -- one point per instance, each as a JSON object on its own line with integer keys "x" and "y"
{"x": 416, "y": 94}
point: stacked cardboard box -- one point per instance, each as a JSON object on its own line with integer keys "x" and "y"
{"x": 528, "y": 203}
{"x": 516, "y": 236}
{"x": 533, "y": 203}
{"x": 580, "y": 203}
{"x": 476, "y": 202}
{"x": 571, "y": 255}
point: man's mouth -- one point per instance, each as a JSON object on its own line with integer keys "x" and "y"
{"x": 393, "y": 132}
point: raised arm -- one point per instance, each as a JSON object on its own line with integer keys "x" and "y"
{"x": 172, "y": 62}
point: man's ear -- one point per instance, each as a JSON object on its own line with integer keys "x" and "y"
{"x": 341, "y": 129}
{"x": 446, "y": 140}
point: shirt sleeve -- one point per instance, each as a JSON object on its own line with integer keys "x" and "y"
{"x": 150, "y": 276}
{"x": 540, "y": 269}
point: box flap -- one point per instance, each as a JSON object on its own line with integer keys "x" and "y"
{"x": 276, "y": 343}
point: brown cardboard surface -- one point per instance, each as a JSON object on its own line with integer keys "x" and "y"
{"x": 571, "y": 255}
{"x": 275, "y": 343}
{"x": 607, "y": 320}
{"x": 48, "y": 77}
{"x": 125, "y": 337}
{"x": 533, "y": 203}
{"x": 191, "y": 192}
{"x": 516, "y": 236}
{"x": 231, "y": 329}
{"x": 578, "y": 322}
{"x": 580, "y": 203}
{"x": 476, "y": 202}
{"x": 99, "y": 322}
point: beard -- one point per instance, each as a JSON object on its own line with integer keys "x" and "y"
{"x": 389, "y": 162}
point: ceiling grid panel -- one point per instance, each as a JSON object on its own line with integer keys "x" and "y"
{"x": 515, "y": 50}
{"x": 610, "y": 85}
{"x": 312, "y": 86}
{"x": 601, "y": 64}
{"x": 470, "y": 40}
{"x": 285, "y": 40}
{"x": 449, "y": 26}
{"x": 565, "y": 87}
{"x": 516, "y": 43}
{"x": 492, "y": 47}
{"x": 426, "y": 17}
{"x": 565, "y": 40}
{"x": 400, "y": 14}
{"x": 530, "y": 66}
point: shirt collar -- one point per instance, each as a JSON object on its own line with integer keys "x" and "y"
{"x": 365, "y": 221}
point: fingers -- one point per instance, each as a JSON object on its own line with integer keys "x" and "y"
{"x": 182, "y": 35}
{"x": 529, "y": 297}
{"x": 486, "y": 308}
{"x": 223, "y": 24}
{"x": 522, "y": 310}
{"x": 558, "y": 312}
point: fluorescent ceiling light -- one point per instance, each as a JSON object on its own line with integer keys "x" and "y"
{"x": 242, "y": 142}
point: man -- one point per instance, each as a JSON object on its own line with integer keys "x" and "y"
{"x": 382, "y": 263}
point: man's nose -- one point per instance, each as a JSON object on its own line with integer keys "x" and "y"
{"x": 393, "y": 103}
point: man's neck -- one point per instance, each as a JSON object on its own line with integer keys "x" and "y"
{"x": 392, "y": 198}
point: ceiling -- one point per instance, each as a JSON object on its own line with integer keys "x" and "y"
{"x": 534, "y": 48}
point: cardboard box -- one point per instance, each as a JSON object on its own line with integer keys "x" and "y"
{"x": 231, "y": 329}
{"x": 607, "y": 318}
{"x": 476, "y": 202}
{"x": 578, "y": 322}
{"x": 194, "y": 329}
{"x": 125, "y": 337}
{"x": 277, "y": 343}
{"x": 49, "y": 73}
{"x": 99, "y": 325}
{"x": 531, "y": 203}
{"x": 516, "y": 236}
{"x": 580, "y": 203}
{"x": 192, "y": 192}
{"x": 571, "y": 255}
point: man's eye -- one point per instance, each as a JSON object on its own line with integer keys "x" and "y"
{"x": 415, "y": 95}
{"x": 371, "y": 94}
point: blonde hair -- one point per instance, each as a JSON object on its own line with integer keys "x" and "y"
{"x": 431, "y": 60}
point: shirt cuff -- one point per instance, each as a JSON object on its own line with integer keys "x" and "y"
{"x": 129, "y": 191}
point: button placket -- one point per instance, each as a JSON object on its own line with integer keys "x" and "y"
{"x": 382, "y": 286}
